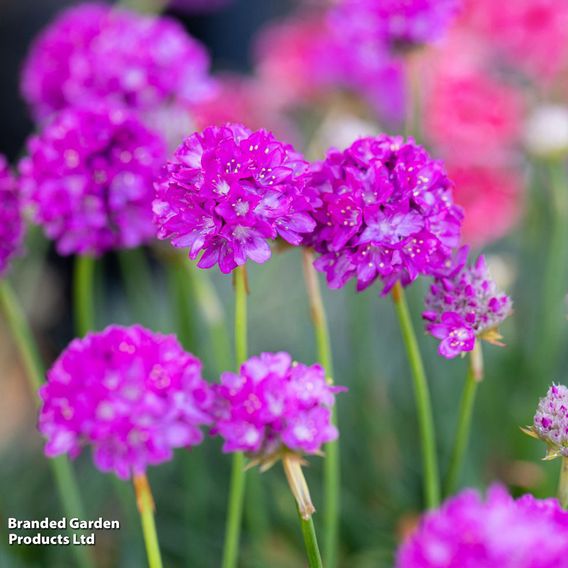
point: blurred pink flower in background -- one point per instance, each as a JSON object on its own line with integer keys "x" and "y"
{"x": 11, "y": 224}
{"x": 531, "y": 34}
{"x": 491, "y": 198}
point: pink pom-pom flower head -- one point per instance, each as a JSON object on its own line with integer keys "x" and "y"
{"x": 386, "y": 213}
{"x": 93, "y": 52}
{"x": 132, "y": 395}
{"x": 11, "y": 223}
{"x": 273, "y": 409}
{"x": 465, "y": 306}
{"x": 468, "y": 531}
{"x": 227, "y": 192}
{"x": 89, "y": 178}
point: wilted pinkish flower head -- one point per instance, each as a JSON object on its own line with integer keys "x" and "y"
{"x": 464, "y": 306}
{"x": 132, "y": 395}
{"x": 487, "y": 193}
{"x": 11, "y": 224}
{"x": 550, "y": 422}
{"x": 274, "y": 404}
{"x": 399, "y": 24}
{"x": 89, "y": 176}
{"x": 228, "y": 191}
{"x": 468, "y": 532}
{"x": 94, "y": 51}
{"x": 387, "y": 212}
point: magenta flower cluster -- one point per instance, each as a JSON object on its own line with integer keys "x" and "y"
{"x": 464, "y": 306}
{"x": 273, "y": 404}
{"x": 95, "y": 52}
{"x": 89, "y": 176}
{"x": 386, "y": 212}
{"x": 468, "y": 532}
{"x": 132, "y": 394}
{"x": 550, "y": 422}
{"x": 11, "y": 224}
{"x": 397, "y": 24}
{"x": 228, "y": 191}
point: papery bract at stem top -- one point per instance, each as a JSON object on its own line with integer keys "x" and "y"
{"x": 132, "y": 395}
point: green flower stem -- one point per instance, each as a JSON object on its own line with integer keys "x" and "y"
{"x": 422, "y": 396}
{"x": 83, "y": 290}
{"x": 563, "y": 484}
{"x": 311, "y": 542}
{"x": 146, "y": 507}
{"x": 237, "y": 489}
{"x": 137, "y": 278}
{"x": 332, "y": 465}
{"x": 62, "y": 470}
{"x": 472, "y": 380}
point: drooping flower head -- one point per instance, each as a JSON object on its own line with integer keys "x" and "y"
{"x": 89, "y": 176}
{"x": 275, "y": 404}
{"x": 132, "y": 395}
{"x": 11, "y": 224}
{"x": 465, "y": 306}
{"x": 95, "y": 51}
{"x": 387, "y": 212}
{"x": 398, "y": 24}
{"x": 468, "y": 531}
{"x": 228, "y": 191}
{"x": 550, "y": 422}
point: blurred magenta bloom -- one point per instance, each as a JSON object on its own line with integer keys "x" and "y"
{"x": 387, "y": 212}
{"x": 89, "y": 177}
{"x": 132, "y": 395}
{"x": 11, "y": 223}
{"x": 308, "y": 58}
{"x": 398, "y": 24}
{"x": 228, "y": 191}
{"x": 532, "y": 35}
{"x": 550, "y": 422}
{"x": 274, "y": 404}
{"x": 487, "y": 193}
{"x": 94, "y": 51}
{"x": 464, "y": 306}
{"x": 469, "y": 532}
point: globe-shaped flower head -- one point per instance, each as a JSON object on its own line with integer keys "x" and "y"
{"x": 131, "y": 394}
{"x": 89, "y": 175}
{"x": 465, "y": 306}
{"x": 500, "y": 531}
{"x": 228, "y": 191}
{"x": 550, "y": 422}
{"x": 11, "y": 225}
{"x": 386, "y": 212}
{"x": 398, "y": 24}
{"x": 275, "y": 409}
{"x": 94, "y": 51}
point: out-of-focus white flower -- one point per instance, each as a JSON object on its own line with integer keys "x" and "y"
{"x": 546, "y": 132}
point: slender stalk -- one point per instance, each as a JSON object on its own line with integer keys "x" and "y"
{"x": 83, "y": 291}
{"x": 237, "y": 488}
{"x": 332, "y": 465}
{"x": 472, "y": 380}
{"x": 311, "y": 542}
{"x": 146, "y": 508}
{"x": 563, "y": 484}
{"x": 137, "y": 278}
{"x": 65, "y": 480}
{"x": 422, "y": 396}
